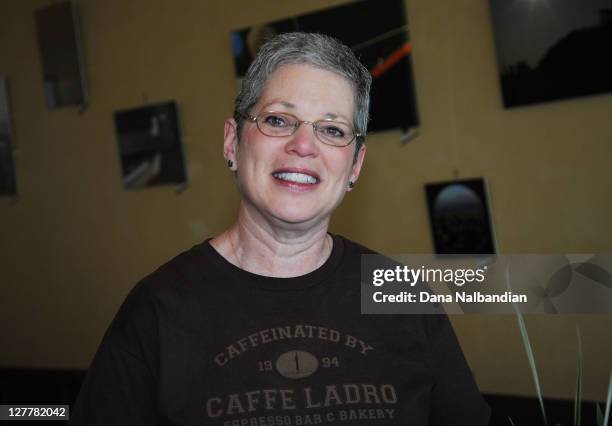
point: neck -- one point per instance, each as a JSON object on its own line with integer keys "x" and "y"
{"x": 274, "y": 249}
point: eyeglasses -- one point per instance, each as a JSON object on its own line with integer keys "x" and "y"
{"x": 280, "y": 124}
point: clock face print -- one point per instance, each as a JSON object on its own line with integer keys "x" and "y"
{"x": 296, "y": 364}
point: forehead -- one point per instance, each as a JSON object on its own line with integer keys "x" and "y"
{"x": 305, "y": 89}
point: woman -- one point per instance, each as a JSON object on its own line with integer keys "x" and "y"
{"x": 261, "y": 325}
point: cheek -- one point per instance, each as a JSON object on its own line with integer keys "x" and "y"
{"x": 342, "y": 164}
{"x": 250, "y": 147}
{"x": 249, "y": 131}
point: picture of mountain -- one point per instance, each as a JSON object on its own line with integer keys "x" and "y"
{"x": 549, "y": 50}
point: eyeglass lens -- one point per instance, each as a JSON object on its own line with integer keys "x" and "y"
{"x": 327, "y": 131}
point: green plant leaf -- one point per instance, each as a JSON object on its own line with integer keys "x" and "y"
{"x": 528, "y": 350}
{"x": 578, "y": 395}
{"x": 608, "y": 401}
{"x": 599, "y": 414}
{"x": 531, "y": 359}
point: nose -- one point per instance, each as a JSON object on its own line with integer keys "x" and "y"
{"x": 303, "y": 142}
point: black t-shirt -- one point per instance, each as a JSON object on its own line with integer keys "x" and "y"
{"x": 202, "y": 342}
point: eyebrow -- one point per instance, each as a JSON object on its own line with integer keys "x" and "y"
{"x": 287, "y": 104}
{"x": 329, "y": 115}
{"x": 283, "y": 103}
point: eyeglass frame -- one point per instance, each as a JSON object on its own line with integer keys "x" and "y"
{"x": 254, "y": 119}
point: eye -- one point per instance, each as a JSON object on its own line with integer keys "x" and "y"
{"x": 276, "y": 120}
{"x": 333, "y": 130}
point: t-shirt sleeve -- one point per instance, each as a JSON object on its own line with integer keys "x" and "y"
{"x": 456, "y": 399}
{"x": 121, "y": 384}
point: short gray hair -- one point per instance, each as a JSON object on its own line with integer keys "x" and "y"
{"x": 314, "y": 49}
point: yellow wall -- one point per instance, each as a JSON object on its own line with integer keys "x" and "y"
{"x": 75, "y": 242}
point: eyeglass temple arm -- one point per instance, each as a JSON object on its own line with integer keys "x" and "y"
{"x": 245, "y": 115}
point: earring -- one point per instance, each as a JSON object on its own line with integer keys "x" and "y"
{"x": 230, "y": 163}
{"x": 351, "y": 184}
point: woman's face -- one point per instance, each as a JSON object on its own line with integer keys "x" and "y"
{"x": 295, "y": 179}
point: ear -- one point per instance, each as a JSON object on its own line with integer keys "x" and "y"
{"x": 230, "y": 142}
{"x": 356, "y": 169}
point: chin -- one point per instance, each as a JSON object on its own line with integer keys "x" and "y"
{"x": 295, "y": 215}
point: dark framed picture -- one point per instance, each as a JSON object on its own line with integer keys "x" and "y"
{"x": 378, "y": 33}
{"x": 59, "y": 42}
{"x": 8, "y": 181}
{"x": 150, "y": 147}
{"x": 550, "y": 50}
{"x": 460, "y": 218}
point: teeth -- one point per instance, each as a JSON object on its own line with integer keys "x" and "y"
{"x": 295, "y": 177}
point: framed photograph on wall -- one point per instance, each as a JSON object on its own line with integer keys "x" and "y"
{"x": 377, "y": 31}
{"x": 150, "y": 147}
{"x": 550, "y": 50}
{"x": 460, "y": 218}
{"x": 61, "y": 54}
{"x": 8, "y": 180}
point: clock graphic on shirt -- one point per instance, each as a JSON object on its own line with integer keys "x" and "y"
{"x": 296, "y": 364}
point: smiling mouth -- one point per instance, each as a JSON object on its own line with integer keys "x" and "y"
{"x": 296, "y": 177}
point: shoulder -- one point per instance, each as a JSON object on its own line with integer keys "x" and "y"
{"x": 185, "y": 269}
{"x": 172, "y": 280}
{"x": 162, "y": 294}
{"x": 352, "y": 247}
{"x": 367, "y": 259}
